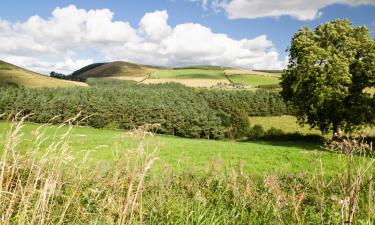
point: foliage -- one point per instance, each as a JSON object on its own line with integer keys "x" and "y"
{"x": 259, "y": 103}
{"x": 269, "y": 86}
{"x": 328, "y": 70}
{"x": 179, "y": 110}
{"x": 66, "y": 77}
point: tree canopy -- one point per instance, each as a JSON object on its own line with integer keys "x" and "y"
{"x": 328, "y": 73}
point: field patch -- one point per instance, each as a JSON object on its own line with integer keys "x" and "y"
{"x": 254, "y": 80}
{"x": 189, "y": 74}
{"x": 207, "y": 83}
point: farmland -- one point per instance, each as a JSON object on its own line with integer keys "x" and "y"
{"x": 254, "y": 80}
{"x": 191, "y": 76}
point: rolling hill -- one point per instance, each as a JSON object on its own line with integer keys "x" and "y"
{"x": 11, "y": 75}
{"x": 114, "y": 69}
{"x": 194, "y": 76}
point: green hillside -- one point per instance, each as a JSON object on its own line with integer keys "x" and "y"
{"x": 115, "y": 69}
{"x": 11, "y": 75}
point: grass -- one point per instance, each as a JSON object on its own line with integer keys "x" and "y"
{"x": 46, "y": 184}
{"x": 189, "y": 74}
{"x": 257, "y": 157}
{"x": 11, "y": 74}
{"x": 118, "y": 69}
{"x": 254, "y": 80}
{"x": 288, "y": 124}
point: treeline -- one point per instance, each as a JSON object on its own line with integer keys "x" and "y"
{"x": 178, "y": 110}
{"x": 66, "y": 77}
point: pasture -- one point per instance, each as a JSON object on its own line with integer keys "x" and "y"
{"x": 254, "y": 80}
{"x": 189, "y": 74}
{"x": 257, "y": 158}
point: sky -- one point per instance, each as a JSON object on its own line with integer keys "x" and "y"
{"x": 65, "y": 35}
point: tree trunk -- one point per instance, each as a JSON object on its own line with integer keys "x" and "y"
{"x": 336, "y": 131}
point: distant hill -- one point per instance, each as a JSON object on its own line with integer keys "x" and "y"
{"x": 203, "y": 67}
{"x": 115, "y": 69}
{"x": 11, "y": 75}
{"x": 77, "y": 73}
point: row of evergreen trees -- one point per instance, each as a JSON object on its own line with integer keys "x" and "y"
{"x": 179, "y": 110}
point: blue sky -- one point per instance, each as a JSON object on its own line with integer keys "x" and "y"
{"x": 266, "y": 32}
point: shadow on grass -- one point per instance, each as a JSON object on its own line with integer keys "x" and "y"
{"x": 300, "y": 144}
{"x": 278, "y": 137}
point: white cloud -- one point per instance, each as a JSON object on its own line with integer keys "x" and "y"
{"x": 299, "y": 9}
{"x": 56, "y": 43}
{"x": 155, "y": 25}
{"x": 45, "y": 66}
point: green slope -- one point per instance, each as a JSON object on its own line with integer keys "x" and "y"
{"x": 11, "y": 75}
{"x": 115, "y": 69}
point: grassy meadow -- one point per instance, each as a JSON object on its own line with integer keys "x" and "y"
{"x": 256, "y": 157}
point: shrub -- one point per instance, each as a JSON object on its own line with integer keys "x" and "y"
{"x": 257, "y": 132}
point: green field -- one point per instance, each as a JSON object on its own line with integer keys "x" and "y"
{"x": 179, "y": 153}
{"x": 254, "y": 80}
{"x": 189, "y": 74}
{"x": 288, "y": 124}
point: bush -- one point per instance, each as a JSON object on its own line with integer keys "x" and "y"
{"x": 257, "y": 132}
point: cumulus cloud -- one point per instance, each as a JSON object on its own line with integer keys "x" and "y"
{"x": 55, "y": 43}
{"x": 155, "y": 25}
{"x": 301, "y": 9}
{"x": 66, "y": 65}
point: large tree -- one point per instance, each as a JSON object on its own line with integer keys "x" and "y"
{"x": 329, "y": 74}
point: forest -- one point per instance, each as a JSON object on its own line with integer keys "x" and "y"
{"x": 176, "y": 109}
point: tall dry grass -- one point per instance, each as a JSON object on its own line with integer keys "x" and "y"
{"x": 43, "y": 185}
